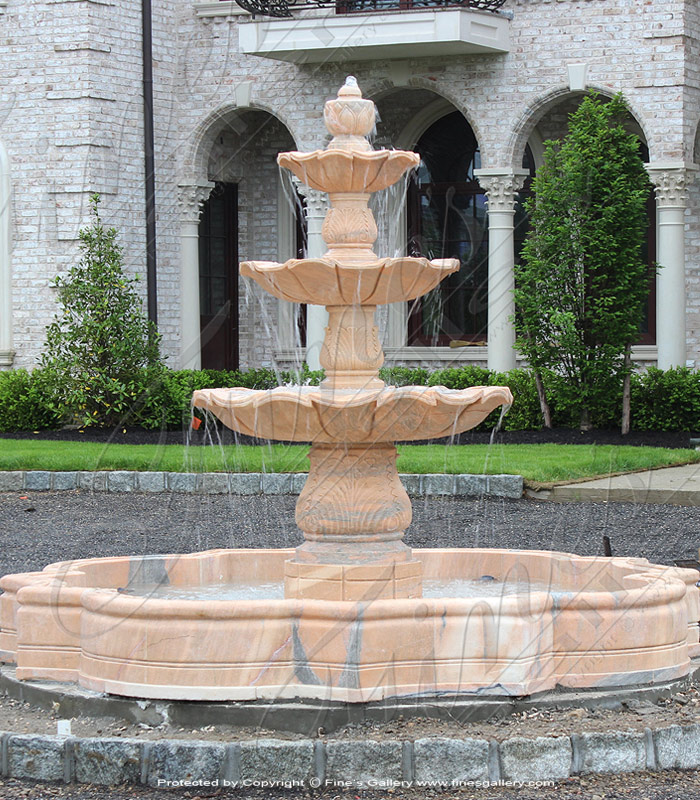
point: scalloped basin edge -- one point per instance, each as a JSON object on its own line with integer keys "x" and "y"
{"x": 314, "y": 414}
{"x": 604, "y": 622}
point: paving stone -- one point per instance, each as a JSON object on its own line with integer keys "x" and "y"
{"x": 470, "y": 485}
{"x": 182, "y": 482}
{"x": 438, "y": 484}
{"x": 451, "y": 759}
{"x": 4, "y": 740}
{"x": 363, "y": 761}
{"x": 277, "y": 483}
{"x": 611, "y": 752}
{"x": 537, "y": 759}
{"x": 179, "y": 761}
{"x": 37, "y": 481}
{"x": 120, "y": 481}
{"x": 215, "y": 483}
{"x": 245, "y": 483}
{"x": 299, "y": 481}
{"x": 11, "y": 481}
{"x": 150, "y": 481}
{"x": 505, "y": 485}
{"x": 93, "y": 481}
{"x": 107, "y": 761}
{"x": 38, "y": 757}
{"x": 677, "y": 747}
{"x": 64, "y": 481}
{"x": 277, "y": 760}
{"x": 412, "y": 484}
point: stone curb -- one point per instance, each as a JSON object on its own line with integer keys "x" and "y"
{"x": 573, "y": 493}
{"x": 437, "y": 761}
{"x": 270, "y": 483}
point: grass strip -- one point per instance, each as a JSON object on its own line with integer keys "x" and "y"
{"x": 539, "y": 463}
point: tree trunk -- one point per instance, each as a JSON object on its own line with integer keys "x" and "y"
{"x": 544, "y": 405}
{"x": 625, "y": 427}
{"x": 585, "y": 424}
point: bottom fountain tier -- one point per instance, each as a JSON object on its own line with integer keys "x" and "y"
{"x": 216, "y": 626}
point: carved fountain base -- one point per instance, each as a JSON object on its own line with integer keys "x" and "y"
{"x": 353, "y": 511}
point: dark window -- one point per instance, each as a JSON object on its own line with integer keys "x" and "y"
{"x": 301, "y": 247}
{"x": 447, "y": 219}
{"x": 218, "y": 278}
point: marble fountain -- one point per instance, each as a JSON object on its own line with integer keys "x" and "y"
{"x": 352, "y": 614}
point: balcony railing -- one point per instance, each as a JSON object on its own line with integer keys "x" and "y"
{"x": 284, "y": 8}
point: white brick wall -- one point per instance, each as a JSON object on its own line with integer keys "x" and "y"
{"x": 71, "y": 120}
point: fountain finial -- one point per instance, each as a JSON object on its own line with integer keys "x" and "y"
{"x": 350, "y": 118}
{"x": 350, "y": 88}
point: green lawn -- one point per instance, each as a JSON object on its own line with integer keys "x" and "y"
{"x": 537, "y": 463}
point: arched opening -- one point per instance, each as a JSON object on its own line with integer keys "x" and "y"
{"x": 553, "y": 125}
{"x": 444, "y": 215}
{"x": 248, "y": 215}
{"x": 446, "y": 218}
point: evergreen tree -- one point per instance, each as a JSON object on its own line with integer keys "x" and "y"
{"x": 101, "y": 349}
{"x": 583, "y": 284}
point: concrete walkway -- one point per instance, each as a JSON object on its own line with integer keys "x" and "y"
{"x": 673, "y": 485}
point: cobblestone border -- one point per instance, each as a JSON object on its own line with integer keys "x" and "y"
{"x": 159, "y": 763}
{"x": 428, "y": 485}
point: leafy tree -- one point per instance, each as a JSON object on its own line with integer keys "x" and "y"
{"x": 583, "y": 283}
{"x": 101, "y": 349}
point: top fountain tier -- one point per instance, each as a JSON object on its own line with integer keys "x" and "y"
{"x": 349, "y": 165}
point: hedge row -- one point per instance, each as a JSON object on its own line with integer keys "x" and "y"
{"x": 664, "y": 401}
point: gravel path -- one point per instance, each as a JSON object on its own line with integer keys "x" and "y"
{"x": 38, "y": 528}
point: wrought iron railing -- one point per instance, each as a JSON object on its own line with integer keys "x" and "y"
{"x": 284, "y": 8}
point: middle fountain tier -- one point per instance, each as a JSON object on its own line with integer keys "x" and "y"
{"x": 353, "y": 510}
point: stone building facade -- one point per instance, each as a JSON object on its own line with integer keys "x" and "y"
{"x": 231, "y": 90}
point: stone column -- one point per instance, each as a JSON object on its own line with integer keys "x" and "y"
{"x": 190, "y": 199}
{"x": 316, "y": 316}
{"x": 501, "y": 187}
{"x": 7, "y": 353}
{"x": 670, "y": 184}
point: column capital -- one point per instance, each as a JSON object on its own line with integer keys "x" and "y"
{"x": 671, "y": 182}
{"x": 190, "y": 197}
{"x": 316, "y": 201}
{"x": 501, "y": 186}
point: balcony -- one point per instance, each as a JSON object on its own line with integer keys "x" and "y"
{"x": 358, "y": 30}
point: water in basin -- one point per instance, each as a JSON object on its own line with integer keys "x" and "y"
{"x": 453, "y": 588}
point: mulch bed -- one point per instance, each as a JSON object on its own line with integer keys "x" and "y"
{"x": 674, "y": 439}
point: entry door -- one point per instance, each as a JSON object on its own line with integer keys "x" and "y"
{"x": 218, "y": 278}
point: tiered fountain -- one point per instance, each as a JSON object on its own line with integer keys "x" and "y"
{"x": 352, "y": 614}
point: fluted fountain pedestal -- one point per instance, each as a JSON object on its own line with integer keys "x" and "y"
{"x": 353, "y": 512}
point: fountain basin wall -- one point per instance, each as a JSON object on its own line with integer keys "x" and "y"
{"x": 585, "y": 622}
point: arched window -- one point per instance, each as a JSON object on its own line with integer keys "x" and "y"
{"x": 447, "y": 219}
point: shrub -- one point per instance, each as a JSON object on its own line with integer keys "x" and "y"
{"x": 460, "y": 377}
{"x": 26, "y": 401}
{"x": 404, "y": 376}
{"x": 101, "y": 350}
{"x": 660, "y": 400}
{"x": 667, "y": 400}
